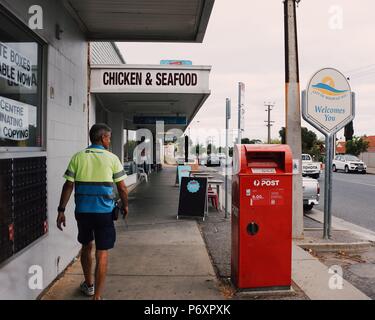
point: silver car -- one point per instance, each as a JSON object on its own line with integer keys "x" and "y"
{"x": 311, "y": 193}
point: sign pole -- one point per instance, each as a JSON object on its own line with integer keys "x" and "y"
{"x": 328, "y": 187}
{"x": 328, "y": 105}
{"x": 227, "y": 117}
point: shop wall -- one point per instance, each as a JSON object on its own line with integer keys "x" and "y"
{"x": 66, "y": 133}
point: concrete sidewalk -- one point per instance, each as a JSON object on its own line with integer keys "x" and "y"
{"x": 310, "y": 276}
{"x": 156, "y": 256}
{"x": 313, "y": 278}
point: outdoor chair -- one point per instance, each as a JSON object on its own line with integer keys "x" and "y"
{"x": 142, "y": 174}
{"x": 212, "y": 195}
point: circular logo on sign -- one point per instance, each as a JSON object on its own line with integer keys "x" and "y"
{"x": 256, "y": 183}
{"x": 193, "y": 186}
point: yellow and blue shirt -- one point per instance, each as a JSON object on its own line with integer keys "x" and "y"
{"x": 94, "y": 172}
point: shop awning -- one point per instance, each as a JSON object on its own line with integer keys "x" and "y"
{"x": 144, "y": 94}
{"x": 142, "y": 20}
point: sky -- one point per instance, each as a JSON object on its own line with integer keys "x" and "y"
{"x": 244, "y": 42}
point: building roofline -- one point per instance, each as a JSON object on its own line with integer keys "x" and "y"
{"x": 115, "y": 47}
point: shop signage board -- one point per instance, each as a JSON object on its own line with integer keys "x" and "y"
{"x": 14, "y": 119}
{"x": 150, "y": 79}
{"x": 193, "y": 197}
{"x": 180, "y": 120}
{"x": 14, "y": 66}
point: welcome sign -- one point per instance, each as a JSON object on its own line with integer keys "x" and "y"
{"x": 328, "y": 104}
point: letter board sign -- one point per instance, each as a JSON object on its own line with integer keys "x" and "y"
{"x": 193, "y": 197}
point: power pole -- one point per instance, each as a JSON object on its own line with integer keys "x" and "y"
{"x": 227, "y": 118}
{"x": 241, "y": 110}
{"x": 293, "y": 112}
{"x": 269, "y": 122}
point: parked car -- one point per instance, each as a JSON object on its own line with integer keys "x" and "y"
{"x": 221, "y": 155}
{"x": 348, "y": 163}
{"x": 213, "y": 160}
{"x": 309, "y": 167}
{"x": 181, "y": 160}
{"x": 311, "y": 193}
{"x": 202, "y": 159}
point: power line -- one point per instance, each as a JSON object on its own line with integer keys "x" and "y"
{"x": 360, "y": 69}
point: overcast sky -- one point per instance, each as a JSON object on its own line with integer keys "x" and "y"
{"x": 245, "y": 42}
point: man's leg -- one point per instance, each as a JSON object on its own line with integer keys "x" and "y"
{"x": 86, "y": 262}
{"x": 100, "y": 272}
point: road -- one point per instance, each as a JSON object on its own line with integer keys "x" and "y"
{"x": 353, "y": 198}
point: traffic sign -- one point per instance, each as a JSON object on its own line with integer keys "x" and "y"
{"x": 328, "y": 106}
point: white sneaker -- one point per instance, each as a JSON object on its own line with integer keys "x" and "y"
{"x": 87, "y": 290}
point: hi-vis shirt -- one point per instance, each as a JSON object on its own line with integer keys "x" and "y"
{"x": 94, "y": 172}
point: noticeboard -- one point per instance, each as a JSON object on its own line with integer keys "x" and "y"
{"x": 182, "y": 171}
{"x": 193, "y": 197}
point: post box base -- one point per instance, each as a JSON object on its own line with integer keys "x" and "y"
{"x": 283, "y": 291}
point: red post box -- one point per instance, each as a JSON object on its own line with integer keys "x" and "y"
{"x": 262, "y": 217}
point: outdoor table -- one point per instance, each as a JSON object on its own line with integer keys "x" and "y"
{"x": 201, "y": 176}
{"x": 204, "y": 171}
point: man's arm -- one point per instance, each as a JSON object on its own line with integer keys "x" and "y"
{"x": 65, "y": 196}
{"x": 123, "y": 193}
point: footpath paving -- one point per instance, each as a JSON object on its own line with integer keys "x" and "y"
{"x": 158, "y": 257}
{"x": 310, "y": 276}
{"x": 351, "y": 248}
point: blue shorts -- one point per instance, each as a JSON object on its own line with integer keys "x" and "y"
{"x": 98, "y": 226}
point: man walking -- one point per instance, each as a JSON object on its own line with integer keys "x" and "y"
{"x": 93, "y": 172}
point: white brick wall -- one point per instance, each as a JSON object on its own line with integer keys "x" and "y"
{"x": 66, "y": 134}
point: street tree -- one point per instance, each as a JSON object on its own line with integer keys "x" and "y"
{"x": 309, "y": 139}
{"x": 252, "y": 141}
{"x": 275, "y": 141}
{"x": 356, "y": 146}
{"x": 349, "y": 131}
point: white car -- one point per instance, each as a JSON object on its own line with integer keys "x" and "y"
{"x": 221, "y": 155}
{"x": 181, "y": 160}
{"x": 213, "y": 160}
{"x": 309, "y": 167}
{"x": 202, "y": 159}
{"x": 348, "y": 163}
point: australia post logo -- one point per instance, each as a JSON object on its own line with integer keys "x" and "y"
{"x": 266, "y": 183}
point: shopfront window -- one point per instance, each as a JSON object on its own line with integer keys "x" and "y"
{"x": 20, "y": 86}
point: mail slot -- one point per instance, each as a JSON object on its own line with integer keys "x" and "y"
{"x": 262, "y": 217}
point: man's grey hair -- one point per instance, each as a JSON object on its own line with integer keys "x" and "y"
{"x": 97, "y": 131}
